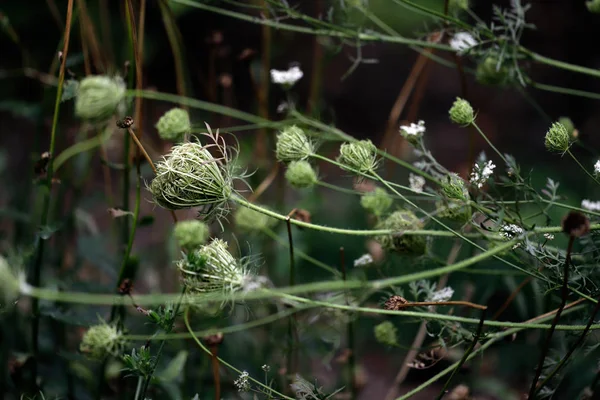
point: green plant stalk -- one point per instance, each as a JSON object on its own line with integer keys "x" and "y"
{"x": 225, "y": 363}
{"x": 488, "y": 141}
{"x": 138, "y": 389}
{"x": 349, "y": 336}
{"x": 292, "y": 343}
{"x": 582, "y": 167}
{"x": 39, "y": 256}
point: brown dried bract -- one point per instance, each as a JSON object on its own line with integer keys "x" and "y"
{"x": 125, "y": 123}
{"x": 41, "y": 166}
{"x": 126, "y": 286}
{"x": 213, "y": 340}
{"x": 302, "y": 215}
{"x": 395, "y": 303}
{"x": 575, "y": 224}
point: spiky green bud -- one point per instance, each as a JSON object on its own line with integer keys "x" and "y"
{"x": 293, "y": 145}
{"x": 360, "y": 156}
{"x": 557, "y": 138}
{"x": 569, "y": 126}
{"x": 454, "y": 187}
{"x": 377, "y": 201}
{"x": 191, "y": 234}
{"x": 250, "y": 220}
{"x": 301, "y": 175}
{"x": 174, "y": 124}
{"x": 461, "y": 112}
{"x": 191, "y": 177}
{"x": 212, "y": 268}
{"x": 101, "y": 341}
{"x": 398, "y": 222}
{"x": 593, "y": 6}
{"x": 98, "y": 97}
{"x": 490, "y": 72}
{"x": 386, "y": 333}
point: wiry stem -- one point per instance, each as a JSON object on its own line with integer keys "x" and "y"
{"x": 350, "y": 337}
{"x": 292, "y": 343}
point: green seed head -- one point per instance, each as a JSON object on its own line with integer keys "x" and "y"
{"x": 490, "y": 73}
{"x": 397, "y": 222}
{"x": 102, "y": 340}
{"x": 293, "y": 145}
{"x": 301, "y": 175}
{"x": 99, "y": 97}
{"x": 453, "y": 187}
{"x": 191, "y": 234}
{"x": 461, "y": 112}
{"x": 557, "y": 138}
{"x": 249, "y": 220}
{"x": 360, "y": 156}
{"x": 386, "y": 333}
{"x": 454, "y": 211}
{"x": 569, "y": 126}
{"x": 174, "y": 124}
{"x": 191, "y": 177}
{"x": 376, "y": 202}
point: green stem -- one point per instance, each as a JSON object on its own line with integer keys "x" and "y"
{"x": 582, "y": 167}
{"x": 138, "y": 389}
{"x": 489, "y": 142}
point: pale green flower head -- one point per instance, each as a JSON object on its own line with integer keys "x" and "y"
{"x": 360, "y": 156}
{"x": 301, "y": 175}
{"x": 569, "y": 126}
{"x": 191, "y": 177}
{"x": 461, "y": 112}
{"x": 454, "y": 187}
{"x": 99, "y": 97}
{"x": 386, "y": 333}
{"x": 102, "y": 340}
{"x": 191, "y": 234}
{"x": 293, "y": 145}
{"x": 397, "y": 222}
{"x": 593, "y": 6}
{"x": 557, "y": 138}
{"x": 250, "y": 220}
{"x": 174, "y": 124}
{"x": 489, "y": 72}
{"x": 377, "y": 201}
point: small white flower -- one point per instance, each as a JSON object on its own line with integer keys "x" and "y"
{"x": 462, "y": 41}
{"x": 517, "y": 246}
{"x": 414, "y": 129}
{"x": 286, "y": 78}
{"x": 597, "y": 167}
{"x": 549, "y": 236}
{"x": 480, "y": 174}
{"x": 266, "y": 368}
{"x": 363, "y": 261}
{"x": 444, "y": 294}
{"x": 243, "y": 382}
{"x": 283, "y": 107}
{"x": 416, "y": 182}
{"x": 590, "y": 205}
{"x": 510, "y": 231}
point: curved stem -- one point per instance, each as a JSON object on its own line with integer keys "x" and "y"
{"x": 582, "y": 167}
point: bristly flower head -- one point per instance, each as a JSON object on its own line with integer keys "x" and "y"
{"x": 249, "y": 220}
{"x": 396, "y": 241}
{"x": 360, "y": 156}
{"x": 102, "y": 340}
{"x": 377, "y": 201}
{"x": 557, "y": 138}
{"x": 462, "y": 42}
{"x": 454, "y": 188}
{"x": 190, "y": 176}
{"x": 287, "y": 78}
{"x": 413, "y": 132}
{"x": 99, "y": 97}
{"x": 293, "y": 145}
{"x": 191, "y": 234}
{"x": 301, "y": 175}
{"x": 174, "y": 124}
{"x": 461, "y": 112}
{"x": 211, "y": 268}
{"x": 386, "y": 333}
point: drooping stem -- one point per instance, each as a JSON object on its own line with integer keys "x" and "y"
{"x": 564, "y": 295}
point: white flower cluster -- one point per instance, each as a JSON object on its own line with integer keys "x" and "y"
{"x": 549, "y": 236}
{"x": 462, "y": 41}
{"x": 413, "y": 129}
{"x": 243, "y": 382}
{"x": 510, "y": 231}
{"x": 287, "y": 78}
{"x": 363, "y": 261}
{"x": 416, "y": 182}
{"x": 590, "y": 205}
{"x": 597, "y": 167}
{"x": 480, "y": 174}
{"x": 444, "y": 294}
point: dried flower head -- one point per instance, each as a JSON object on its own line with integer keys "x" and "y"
{"x": 395, "y": 303}
{"x": 575, "y": 224}
{"x": 174, "y": 124}
{"x": 190, "y": 176}
{"x": 461, "y": 112}
{"x": 191, "y": 234}
{"x": 293, "y": 145}
{"x": 386, "y": 333}
{"x": 557, "y": 138}
{"x": 102, "y": 340}
{"x": 301, "y": 175}
{"x": 250, "y": 220}
{"x": 99, "y": 97}
{"x": 377, "y": 201}
{"x": 491, "y": 71}
{"x": 398, "y": 222}
{"x": 360, "y": 156}
{"x": 212, "y": 268}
